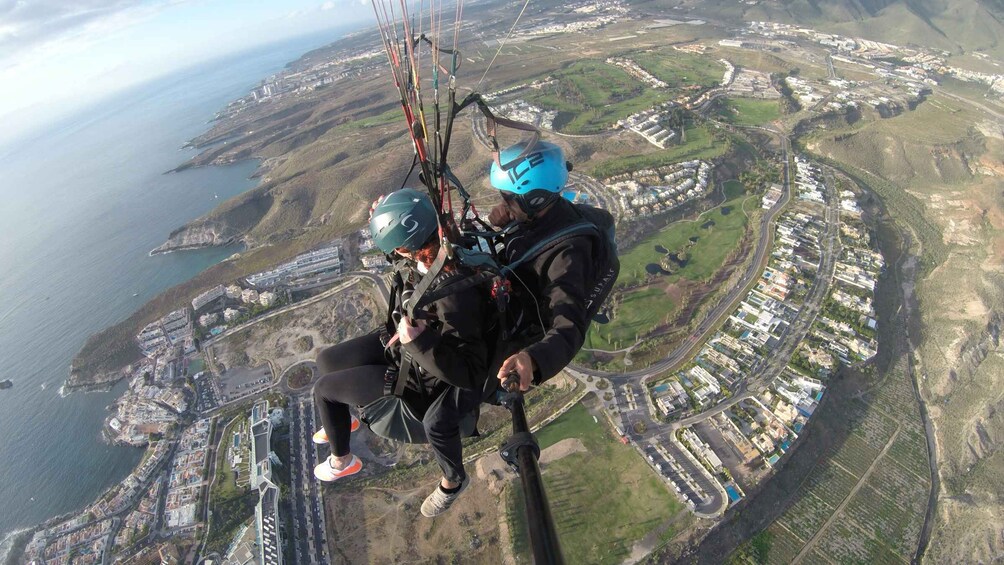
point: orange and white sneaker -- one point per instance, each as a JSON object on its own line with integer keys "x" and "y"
{"x": 321, "y": 437}
{"x": 325, "y": 472}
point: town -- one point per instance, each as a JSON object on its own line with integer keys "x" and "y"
{"x": 714, "y": 423}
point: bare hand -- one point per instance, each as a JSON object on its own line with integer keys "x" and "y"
{"x": 500, "y": 216}
{"x": 523, "y": 365}
{"x": 409, "y": 329}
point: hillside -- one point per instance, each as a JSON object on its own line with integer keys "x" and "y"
{"x": 936, "y": 168}
{"x": 959, "y": 25}
{"x": 944, "y": 160}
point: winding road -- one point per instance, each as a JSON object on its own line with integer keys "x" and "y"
{"x": 641, "y": 416}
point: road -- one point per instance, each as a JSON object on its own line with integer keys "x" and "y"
{"x": 215, "y": 443}
{"x": 727, "y": 304}
{"x": 639, "y": 418}
{"x": 308, "y": 516}
{"x": 309, "y": 528}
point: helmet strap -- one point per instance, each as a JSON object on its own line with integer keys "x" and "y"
{"x": 532, "y": 211}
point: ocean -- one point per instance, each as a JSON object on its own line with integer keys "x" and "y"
{"x": 81, "y": 205}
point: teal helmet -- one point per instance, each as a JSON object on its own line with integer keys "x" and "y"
{"x": 404, "y": 218}
{"x": 533, "y": 178}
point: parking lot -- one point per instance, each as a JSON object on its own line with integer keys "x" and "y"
{"x": 240, "y": 382}
{"x": 207, "y": 393}
{"x": 671, "y": 471}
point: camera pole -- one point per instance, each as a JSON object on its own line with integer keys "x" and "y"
{"x": 521, "y": 452}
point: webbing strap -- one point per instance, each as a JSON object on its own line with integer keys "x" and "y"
{"x": 452, "y": 288}
{"x": 404, "y": 367}
{"x": 490, "y": 128}
{"x": 557, "y": 237}
{"x": 427, "y": 279}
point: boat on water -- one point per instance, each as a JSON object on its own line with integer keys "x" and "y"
{"x": 6, "y": 383}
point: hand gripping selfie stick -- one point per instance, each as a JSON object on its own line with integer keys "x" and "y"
{"x": 521, "y": 452}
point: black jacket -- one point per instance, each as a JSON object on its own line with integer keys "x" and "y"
{"x": 552, "y": 290}
{"x": 454, "y": 348}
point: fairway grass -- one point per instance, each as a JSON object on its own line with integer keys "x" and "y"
{"x": 733, "y": 189}
{"x": 602, "y": 500}
{"x": 714, "y": 242}
{"x": 750, "y": 112}
{"x": 638, "y": 313}
{"x": 681, "y": 71}
{"x": 649, "y": 304}
{"x": 591, "y": 96}
{"x": 700, "y": 145}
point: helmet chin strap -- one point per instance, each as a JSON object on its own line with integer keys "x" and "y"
{"x": 533, "y": 211}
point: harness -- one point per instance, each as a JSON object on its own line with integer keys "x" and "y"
{"x": 489, "y": 268}
{"x": 405, "y": 301}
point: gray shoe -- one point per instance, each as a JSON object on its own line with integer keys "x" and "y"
{"x": 439, "y": 502}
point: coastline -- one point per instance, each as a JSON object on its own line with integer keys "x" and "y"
{"x": 12, "y": 546}
{"x": 99, "y": 337}
{"x": 165, "y": 249}
{"x": 104, "y": 382}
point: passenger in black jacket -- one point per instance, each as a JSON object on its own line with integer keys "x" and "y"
{"x": 554, "y": 287}
{"x": 444, "y": 353}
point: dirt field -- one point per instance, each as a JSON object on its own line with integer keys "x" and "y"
{"x": 302, "y": 333}
{"x": 382, "y": 524}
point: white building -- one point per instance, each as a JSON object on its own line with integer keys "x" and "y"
{"x": 249, "y": 295}
{"x": 234, "y": 291}
{"x": 230, "y": 314}
{"x": 207, "y": 320}
{"x": 267, "y": 299}
{"x": 374, "y": 261}
{"x": 208, "y": 297}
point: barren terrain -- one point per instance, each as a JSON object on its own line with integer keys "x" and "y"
{"x": 301, "y": 334}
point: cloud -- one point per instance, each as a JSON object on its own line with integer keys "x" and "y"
{"x": 32, "y": 24}
{"x": 329, "y": 5}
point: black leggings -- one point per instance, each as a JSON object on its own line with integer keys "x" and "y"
{"x": 353, "y": 374}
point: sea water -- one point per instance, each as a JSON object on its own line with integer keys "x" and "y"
{"x": 81, "y": 205}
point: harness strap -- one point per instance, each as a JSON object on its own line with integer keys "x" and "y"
{"x": 404, "y": 367}
{"x": 578, "y": 228}
{"x": 459, "y": 286}
{"x": 427, "y": 280}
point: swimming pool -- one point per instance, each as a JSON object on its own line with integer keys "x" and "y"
{"x": 733, "y": 493}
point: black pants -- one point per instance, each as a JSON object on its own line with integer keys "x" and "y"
{"x": 353, "y": 374}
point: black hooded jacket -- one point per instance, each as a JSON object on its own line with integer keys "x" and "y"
{"x": 454, "y": 348}
{"x": 552, "y": 290}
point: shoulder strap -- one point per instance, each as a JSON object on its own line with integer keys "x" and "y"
{"x": 423, "y": 285}
{"x": 393, "y": 301}
{"x": 460, "y": 285}
{"x": 581, "y": 227}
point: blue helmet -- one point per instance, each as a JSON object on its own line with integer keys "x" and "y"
{"x": 404, "y": 218}
{"x": 536, "y": 179}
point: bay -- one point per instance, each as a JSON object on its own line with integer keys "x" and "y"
{"x": 81, "y": 205}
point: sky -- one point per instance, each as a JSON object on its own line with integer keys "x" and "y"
{"x": 60, "y": 56}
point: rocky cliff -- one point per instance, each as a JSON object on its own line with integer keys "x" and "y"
{"x": 227, "y": 224}
{"x": 195, "y": 237}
